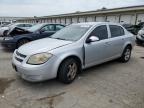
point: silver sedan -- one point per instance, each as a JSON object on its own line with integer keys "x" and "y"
{"x": 76, "y": 47}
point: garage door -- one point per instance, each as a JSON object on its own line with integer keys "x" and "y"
{"x": 45, "y": 20}
{"x": 140, "y": 18}
{"x": 62, "y": 20}
{"x": 57, "y": 20}
{"x": 49, "y": 21}
{"x": 127, "y": 19}
{"x": 91, "y": 19}
{"x": 68, "y": 20}
{"x": 74, "y": 20}
{"x": 81, "y": 19}
{"x": 100, "y": 18}
{"x": 114, "y": 19}
{"x": 53, "y": 20}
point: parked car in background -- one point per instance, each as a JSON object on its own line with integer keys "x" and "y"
{"x": 134, "y": 28}
{"x": 131, "y": 28}
{"x": 72, "y": 49}
{"x": 141, "y": 25}
{"x": 4, "y": 30}
{"x": 140, "y": 36}
{"x": 38, "y": 31}
{"x": 4, "y": 23}
{"x": 16, "y": 31}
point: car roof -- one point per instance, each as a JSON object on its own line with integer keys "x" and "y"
{"x": 97, "y": 23}
{"x": 51, "y": 23}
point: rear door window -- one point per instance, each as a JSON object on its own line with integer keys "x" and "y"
{"x": 116, "y": 31}
{"x": 48, "y": 28}
{"x": 28, "y": 25}
{"x": 59, "y": 27}
{"x": 21, "y": 25}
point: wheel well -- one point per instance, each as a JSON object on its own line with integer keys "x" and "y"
{"x": 5, "y": 32}
{"x": 22, "y": 39}
{"x": 75, "y": 58}
{"x": 129, "y": 45}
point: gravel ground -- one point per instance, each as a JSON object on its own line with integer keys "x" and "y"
{"x": 110, "y": 85}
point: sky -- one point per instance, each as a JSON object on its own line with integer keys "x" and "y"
{"x": 30, "y": 8}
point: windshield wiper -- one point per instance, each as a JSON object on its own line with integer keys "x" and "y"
{"x": 60, "y": 38}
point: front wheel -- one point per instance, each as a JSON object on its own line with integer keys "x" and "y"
{"x": 126, "y": 54}
{"x": 5, "y": 33}
{"x": 68, "y": 71}
{"x": 22, "y": 42}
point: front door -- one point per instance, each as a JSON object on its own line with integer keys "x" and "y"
{"x": 98, "y": 51}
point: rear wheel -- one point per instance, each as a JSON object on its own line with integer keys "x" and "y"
{"x": 126, "y": 54}
{"x": 68, "y": 71}
{"x": 22, "y": 42}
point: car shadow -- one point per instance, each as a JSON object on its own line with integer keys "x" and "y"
{"x": 55, "y": 82}
{"x": 7, "y": 50}
{"x": 140, "y": 45}
{"x": 98, "y": 67}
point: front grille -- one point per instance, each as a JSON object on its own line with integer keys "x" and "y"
{"x": 18, "y": 59}
{"x": 21, "y": 55}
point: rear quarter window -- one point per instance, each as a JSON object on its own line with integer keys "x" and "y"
{"x": 116, "y": 31}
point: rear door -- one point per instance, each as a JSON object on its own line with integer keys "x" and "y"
{"x": 117, "y": 40}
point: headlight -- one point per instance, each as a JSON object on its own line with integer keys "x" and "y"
{"x": 39, "y": 58}
{"x": 8, "y": 38}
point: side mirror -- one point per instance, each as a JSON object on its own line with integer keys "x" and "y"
{"x": 92, "y": 39}
{"x": 41, "y": 31}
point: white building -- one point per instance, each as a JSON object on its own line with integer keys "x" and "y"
{"x": 128, "y": 15}
{"x": 9, "y": 19}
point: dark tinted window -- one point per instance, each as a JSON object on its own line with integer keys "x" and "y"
{"x": 100, "y": 32}
{"x": 116, "y": 31}
{"x": 48, "y": 28}
{"x": 59, "y": 27}
{"x": 20, "y": 25}
{"x": 28, "y": 25}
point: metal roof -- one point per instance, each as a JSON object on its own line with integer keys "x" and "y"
{"x": 96, "y": 12}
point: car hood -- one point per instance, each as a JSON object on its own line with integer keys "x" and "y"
{"x": 17, "y": 31}
{"x": 42, "y": 45}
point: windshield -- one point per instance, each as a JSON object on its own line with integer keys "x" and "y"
{"x": 71, "y": 33}
{"x": 35, "y": 27}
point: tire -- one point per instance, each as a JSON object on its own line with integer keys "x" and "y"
{"x": 22, "y": 42}
{"x": 5, "y": 33}
{"x": 68, "y": 71}
{"x": 126, "y": 55}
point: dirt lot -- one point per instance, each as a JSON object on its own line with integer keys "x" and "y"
{"x": 110, "y": 85}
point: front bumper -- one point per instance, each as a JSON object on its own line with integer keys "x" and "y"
{"x": 35, "y": 73}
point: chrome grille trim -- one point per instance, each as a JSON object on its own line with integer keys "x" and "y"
{"x": 18, "y": 59}
{"x": 21, "y": 55}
